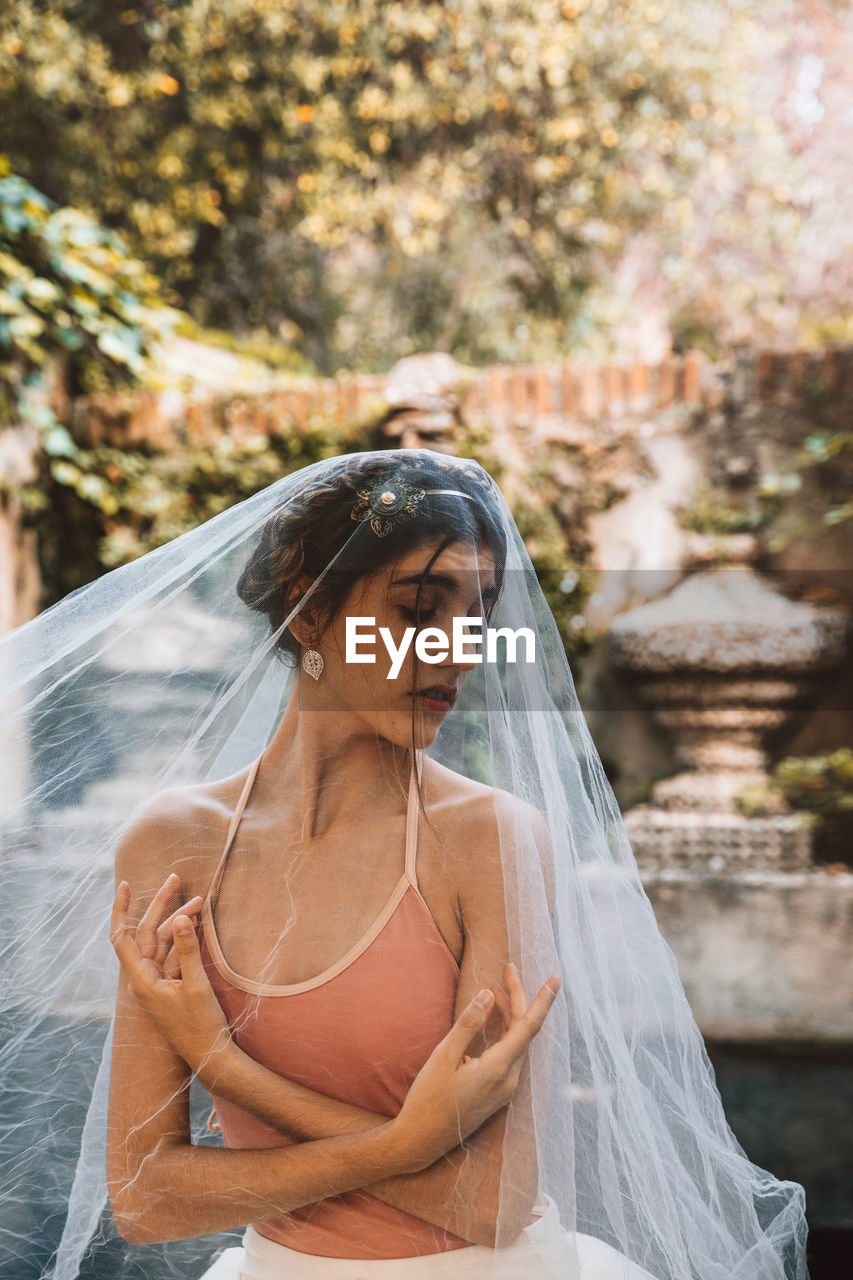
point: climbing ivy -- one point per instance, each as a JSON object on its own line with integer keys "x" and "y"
{"x": 70, "y": 290}
{"x": 826, "y": 459}
{"x": 714, "y": 513}
{"x": 808, "y": 493}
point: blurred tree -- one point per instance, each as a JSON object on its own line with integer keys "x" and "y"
{"x": 371, "y": 178}
{"x": 758, "y": 249}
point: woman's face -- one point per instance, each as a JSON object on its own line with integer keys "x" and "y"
{"x": 459, "y": 582}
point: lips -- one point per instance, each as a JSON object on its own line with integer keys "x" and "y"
{"x": 441, "y": 693}
{"x": 447, "y": 692}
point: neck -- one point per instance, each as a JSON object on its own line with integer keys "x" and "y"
{"x": 323, "y": 759}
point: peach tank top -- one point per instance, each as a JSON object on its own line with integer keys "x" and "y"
{"x": 358, "y": 1032}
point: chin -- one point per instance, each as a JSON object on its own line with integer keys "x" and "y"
{"x": 424, "y": 736}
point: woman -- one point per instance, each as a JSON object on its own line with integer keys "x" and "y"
{"x": 362, "y": 846}
{"x": 308, "y": 859}
{"x": 344, "y": 741}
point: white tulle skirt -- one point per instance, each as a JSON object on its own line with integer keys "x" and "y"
{"x": 543, "y": 1251}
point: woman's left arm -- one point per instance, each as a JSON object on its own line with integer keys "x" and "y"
{"x": 459, "y": 1192}
{"x": 462, "y": 1191}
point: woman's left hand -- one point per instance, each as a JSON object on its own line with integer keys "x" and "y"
{"x": 162, "y": 962}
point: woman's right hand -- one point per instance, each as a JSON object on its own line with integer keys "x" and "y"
{"x": 162, "y": 963}
{"x": 453, "y": 1094}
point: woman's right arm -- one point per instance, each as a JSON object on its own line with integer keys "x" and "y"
{"x": 164, "y": 1188}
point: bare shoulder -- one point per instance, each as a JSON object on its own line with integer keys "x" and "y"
{"x": 481, "y": 822}
{"x": 178, "y": 829}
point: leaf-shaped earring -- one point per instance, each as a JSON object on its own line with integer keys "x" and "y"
{"x": 312, "y": 662}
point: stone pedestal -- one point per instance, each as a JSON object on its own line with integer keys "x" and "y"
{"x": 723, "y": 662}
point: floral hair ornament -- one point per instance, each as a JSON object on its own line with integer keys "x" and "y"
{"x": 391, "y": 502}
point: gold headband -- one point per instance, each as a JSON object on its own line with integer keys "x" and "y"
{"x": 390, "y": 502}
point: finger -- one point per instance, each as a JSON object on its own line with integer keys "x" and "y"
{"x": 525, "y": 1027}
{"x": 120, "y": 926}
{"x": 517, "y": 998}
{"x": 171, "y": 964}
{"x": 121, "y": 903}
{"x": 502, "y": 1001}
{"x": 146, "y": 929}
{"x": 122, "y": 935}
{"x": 530, "y": 1022}
{"x": 466, "y": 1026}
{"x": 164, "y": 931}
{"x": 188, "y": 952}
{"x": 189, "y": 908}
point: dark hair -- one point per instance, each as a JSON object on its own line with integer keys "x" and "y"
{"x": 316, "y": 525}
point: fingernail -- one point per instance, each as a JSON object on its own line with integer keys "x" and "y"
{"x": 182, "y": 925}
{"x": 483, "y": 998}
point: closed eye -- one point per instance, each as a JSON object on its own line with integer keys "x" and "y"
{"x": 412, "y": 615}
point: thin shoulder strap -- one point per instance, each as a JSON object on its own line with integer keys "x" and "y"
{"x": 412, "y": 819}
{"x": 233, "y": 825}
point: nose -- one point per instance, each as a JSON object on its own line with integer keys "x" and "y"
{"x": 469, "y": 650}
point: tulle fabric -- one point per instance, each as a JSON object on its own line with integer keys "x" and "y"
{"x": 157, "y": 678}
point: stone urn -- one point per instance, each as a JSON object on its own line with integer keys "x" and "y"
{"x": 423, "y": 394}
{"x": 725, "y": 661}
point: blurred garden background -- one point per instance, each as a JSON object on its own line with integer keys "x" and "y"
{"x": 606, "y": 249}
{"x": 247, "y": 194}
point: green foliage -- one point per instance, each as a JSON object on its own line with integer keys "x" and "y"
{"x": 820, "y": 790}
{"x": 261, "y": 346}
{"x": 713, "y": 512}
{"x": 820, "y": 784}
{"x": 812, "y": 493}
{"x": 98, "y": 508}
{"x": 806, "y": 495}
{"x": 691, "y": 331}
{"x": 827, "y": 457}
{"x": 369, "y": 179}
{"x": 67, "y": 287}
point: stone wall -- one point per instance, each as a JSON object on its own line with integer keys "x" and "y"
{"x": 521, "y": 395}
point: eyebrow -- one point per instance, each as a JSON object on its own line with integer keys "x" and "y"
{"x": 441, "y": 580}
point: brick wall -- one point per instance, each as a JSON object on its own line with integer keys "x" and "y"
{"x": 583, "y": 391}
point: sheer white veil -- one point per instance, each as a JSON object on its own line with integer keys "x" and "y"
{"x": 174, "y": 671}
